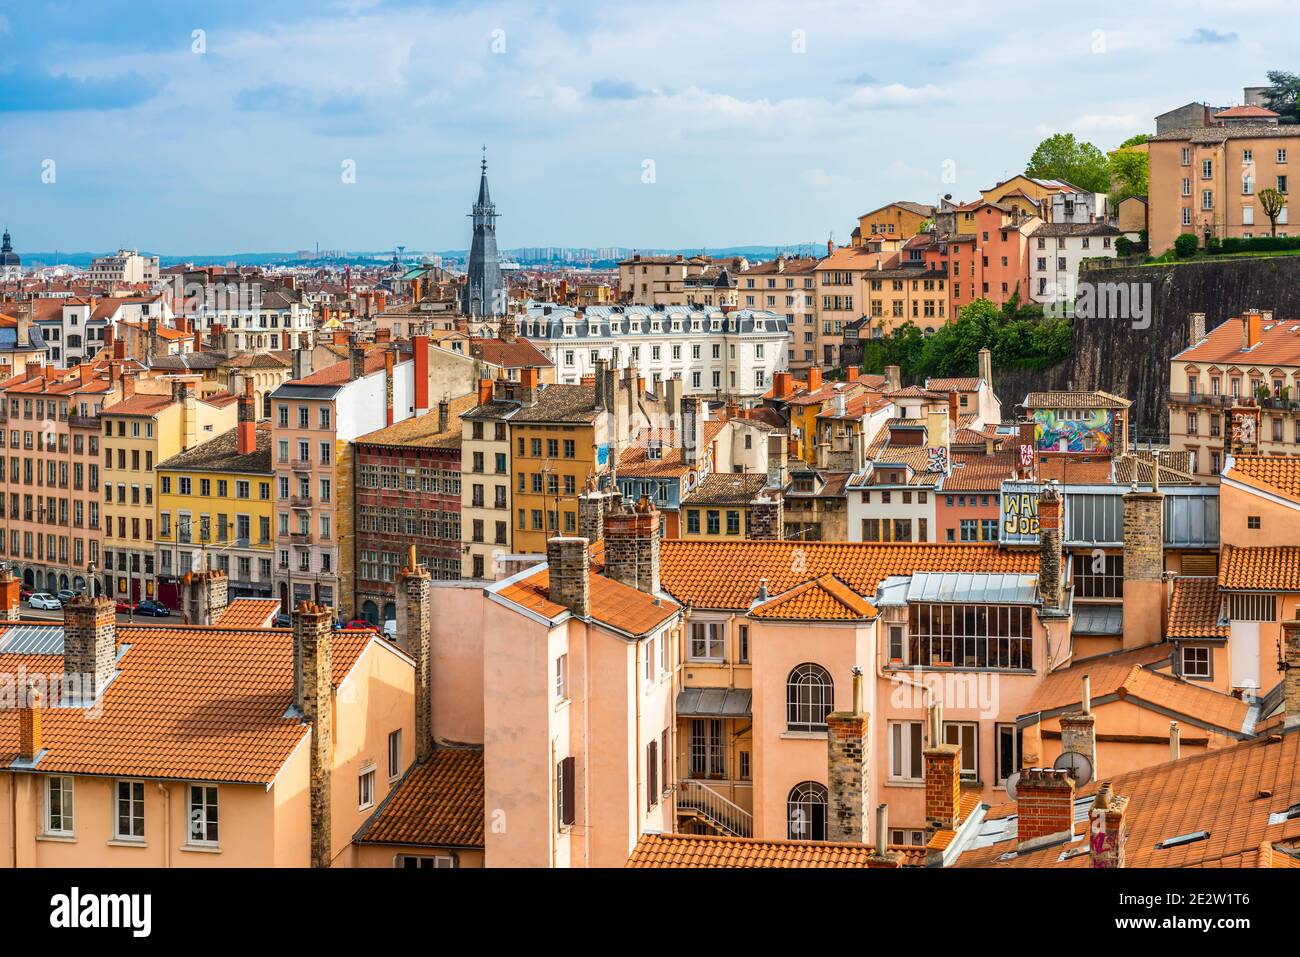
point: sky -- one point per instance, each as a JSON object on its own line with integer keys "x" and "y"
{"x": 206, "y": 128}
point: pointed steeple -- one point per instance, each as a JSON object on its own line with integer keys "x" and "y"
{"x": 485, "y": 291}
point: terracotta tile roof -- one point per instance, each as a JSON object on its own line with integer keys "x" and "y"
{"x": 979, "y": 473}
{"x": 188, "y": 703}
{"x": 221, "y": 454}
{"x": 250, "y": 613}
{"x": 706, "y": 574}
{"x": 436, "y": 804}
{"x": 1194, "y": 609}
{"x": 140, "y": 404}
{"x": 1279, "y": 345}
{"x": 1129, "y": 468}
{"x": 1220, "y": 791}
{"x": 968, "y": 384}
{"x": 560, "y": 403}
{"x": 634, "y": 462}
{"x": 1276, "y": 474}
{"x": 509, "y": 353}
{"x": 1074, "y": 400}
{"x": 340, "y": 373}
{"x": 822, "y": 599}
{"x": 727, "y": 488}
{"x": 698, "y": 850}
{"x": 612, "y": 603}
{"x": 1062, "y": 688}
{"x": 1260, "y": 567}
{"x": 422, "y": 431}
{"x": 1246, "y": 109}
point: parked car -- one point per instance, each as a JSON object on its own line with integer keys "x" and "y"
{"x": 124, "y": 607}
{"x": 390, "y": 629}
{"x": 65, "y": 595}
{"x": 153, "y": 609}
{"x": 360, "y": 624}
{"x": 45, "y": 601}
{"x": 24, "y": 593}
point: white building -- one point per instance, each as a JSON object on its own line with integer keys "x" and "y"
{"x": 1055, "y": 252}
{"x": 732, "y": 353}
{"x": 126, "y": 265}
{"x": 254, "y": 315}
{"x": 76, "y": 332}
{"x": 1079, "y": 208}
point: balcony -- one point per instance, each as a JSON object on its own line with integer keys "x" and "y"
{"x": 84, "y": 422}
{"x": 300, "y": 465}
{"x": 301, "y": 538}
{"x": 300, "y": 501}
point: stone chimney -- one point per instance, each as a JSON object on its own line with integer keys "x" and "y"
{"x": 301, "y": 363}
{"x": 567, "y": 570}
{"x": 986, "y": 367}
{"x": 444, "y": 414}
{"x": 313, "y": 637}
{"x": 246, "y": 430}
{"x": 1107, "y": 829}
{"x": 767, "y": 516}
{"x": 893, "y": 378}
{"x": 413, "y": 633}
{"x": 208, "y": 594}
{"x": 632, "y": 546}
{"x": 848, "y": 749}
{"x": 1044, "y": 808}
{"x": 89, "y": 645}
{"x": 10, "y": 596}
{"x": 776, "y": 461}
{"x": 1079, "y": 728}
{"x": 1051, "y": 582}
{"x": 1195, "y": 327}
{"x": 30, "y": 744}
{"x": 1291, "y": 672}
{"x": 814, "y": 379}
{"x": 1144, "y": 565}
{"x": 592, "y": 505}
{"x": 690, "y": 430}
{"x": 357, "y": 360}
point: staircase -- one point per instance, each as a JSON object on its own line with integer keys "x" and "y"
{"x": 721, "y": 813}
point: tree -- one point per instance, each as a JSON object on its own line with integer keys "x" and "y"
{"x": 1185, "y": 245}
{"x": 1136, "y": 139}
{"x": 1128, "y": 173}
{"x": 1271, "y": 202}
{"x": 1060, "y": 156}
{"x": 1283, "y": 93}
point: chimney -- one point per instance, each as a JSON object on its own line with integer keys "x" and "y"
{"x": 767, "y": 516}
{"x": 1079, "y": 729}
{"x": 1051, "y": 583}
{"x": 814, "y": 379}
{"x": 1175, "y": 741}
{"x": 782, "y": 385}
{"x": 128, "y": 385}
{"x": 208, "y": 593}
{"x": 30, "y": 744}
{"x": 246, "y": 436}
{"x": 301, "y": 363}
{"x": 776, "y": 461}
{"x": 690, "y": 437}
{"x": 986, "y": 367}
{"x": 528, "y": 381}
{"x": 632, "y": 546}
{"x": 484, "y": 391}
{"x": 566, "y": 561}
{"x": 110, "y": 334}
{"x": 357, "y": 358}
{"x": 952, "y": 410}
{"x": 1107, "y": 830}
{"x": 847, "y": 754}
{"x": 198, "y": 339}
{"x": 313, "y": 636}
{"x": 1144, "y": 565}
{"x": 10, "y": 597}
{"x": 1291, "y": 672}
{"x": 413, "y": 632}
{"x": 1044, "y": 808}
{"x": 388, "y": 388}
{"x": 89, "y": 645}
{"x": 420, "y": 346}
{"x": 33, "y": 368}
{"x": 882, "y": 856}
{"x": 1195, "y": 327}
{"x": 444, "y": 412}
{"x": 853, "y": 373}
{"x": 942, "y": 781}
{"x": 592, "y": 505}
{"x": 893, "y": 378}
{"x": 1252, "y": 327}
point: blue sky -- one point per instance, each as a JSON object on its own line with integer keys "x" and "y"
{"x": 765, "y": 122}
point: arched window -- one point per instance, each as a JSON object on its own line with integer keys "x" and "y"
{"x": 806, "y": 812}
{"x": 809, "y": 697}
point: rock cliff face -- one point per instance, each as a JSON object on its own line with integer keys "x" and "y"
{"x": 1119, "y": 356}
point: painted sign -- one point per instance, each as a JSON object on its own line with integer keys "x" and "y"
{"x": 1019, "y": 511}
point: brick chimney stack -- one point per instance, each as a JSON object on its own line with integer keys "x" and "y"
{"x": 357, "y": 360}
{"x": 632, "y": 546}
{"x": 942, "y": 786}
{"x": 30, "y": 744}
{"x": 1144, "y": 565}
{"x": 848, "y": 751}
{"x": 1051, "y": 579}
{"x": 567, "y": 570}
{"x": 592, "y": 506}
{"x": 413, "y": 633}
{"x": 89, "y": 645}
{"x": 767, "y": 516}
{"x": 1044, "y": 807}
{"x": 1291, "y": 672}
{"x": 207, "y": 593}
{"x": 10, "y": 596}
{"x": 1079, "y": 729}
{"x": 1107, "y": 829}
{"x": 313, "y": 636}
{"x": 246, "y": 430}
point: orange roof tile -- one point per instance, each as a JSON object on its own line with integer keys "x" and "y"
{"x": 695, "y": 850}
{"x": 613, "y": 604}
{"x": 822, "y": 599}
{"x": 188, "y": 703}
{"x": 250, "y": 613}
{"x": 979, "y": 473}
{"x": 1194, "y": 609}
{"x": 1260, "y": 567}
{"x": 1276, "y": 474}
{"x": 1279, "y": 344}
{"x": 706, "y": 574}
{"x": 436, "y": 804}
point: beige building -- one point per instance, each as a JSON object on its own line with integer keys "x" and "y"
{"x": 485, "y": 508}
{"x": 786, "y": 285}
{"x": 679, "y": 281}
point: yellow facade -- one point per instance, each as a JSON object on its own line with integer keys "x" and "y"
{"x": 548, "y": 460}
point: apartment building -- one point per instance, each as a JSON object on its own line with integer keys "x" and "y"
{"x": 991, "y": 261}
{"x": 897, "y": 220}
{"x": 1235, "y": 390}
{"x": 678, "y": 280}
{"x": 1056, "y": 251}
{"x": 126, "y": 266}
{"x": 408, "y": 494}
{"x": 1206, "y": 181}
{"x": 714, "y": 352}
{"x": 786, "y": 285}
{"x": 249, "y": 314}
{"x": 841, "y": 284}
{"x": 51, "y": 479}
{"x": 485, "y": 463}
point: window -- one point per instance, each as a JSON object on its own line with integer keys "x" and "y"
{"x": 970, "y": 636}
{"x": 203, "y": 814}
{"x": 1098, "y": 576}
{"x": 1196, "y": 662}
{"x": 1008, "y": 754}
{"x": 905, "y": 748}
{"x": 806, "y": 812}
{"x": 965, "y": 734}
{"x": 707, "y": 640}
{"x": 129, "y": 820}
{"x": 708, "y": 753}
{"x": 1252, "y": 521}
{"x": 562, "y": 677}
{"x": 742, "y": 651}
{"x": 810, "y": 697}
{"x": 565, "y": 796}
{"x": 366, "y": 789}
{"x": 394, "y": 753}
{"x": 896, "y": 643}
{"x": 58, "y": 806}
{"x": 652, "y": 774}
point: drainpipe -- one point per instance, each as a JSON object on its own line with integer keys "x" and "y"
{"x": 167, "y": 824}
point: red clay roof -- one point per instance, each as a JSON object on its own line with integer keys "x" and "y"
{"x": 1260, "y": 568}
{"x": 1194, "y": 609}
{"x": 697, "y": 850}
{"x": 250, "y": 613}
{"x": 822, "y": 599}
{"x": 1279, "y": 345}
{"x": 436, "y": 804}
{"x": 1275, "y": 474}
{"x": 612, "y": 603}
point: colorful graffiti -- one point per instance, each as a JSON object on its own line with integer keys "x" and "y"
{"x": 1073, "y": 430}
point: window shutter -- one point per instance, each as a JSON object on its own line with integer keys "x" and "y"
{"x": 567, "y": 794}
{"x": 652, "y": 773}
{"x": 668, "y": 765}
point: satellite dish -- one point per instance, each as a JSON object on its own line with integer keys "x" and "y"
{"x": 1012, "y": 782}
{"x": 1077, "y": 765}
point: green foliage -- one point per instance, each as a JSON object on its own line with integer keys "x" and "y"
{"x": 1260, "y": 244}
{"x": 1185, "y": 245}
{"x": 1123, "y": 246}
{"x": 1213, "y": 246}
{"x": 1128, "y": 174}
{"x": 1060, "y": 156}
{"x": 1283, "y": 93}
{"x": 1018, "y": 335}
{"x": 1136, "y": 140}
{"x": 1272, "y": 203}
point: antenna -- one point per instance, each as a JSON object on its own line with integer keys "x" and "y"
{"x": 1077, "y": 765}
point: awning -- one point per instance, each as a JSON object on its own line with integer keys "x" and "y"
{"x": 1098, "y": 619}
{"x": 714, "y": 702}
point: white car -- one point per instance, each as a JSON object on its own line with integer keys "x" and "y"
{"x": 44, "y": 600}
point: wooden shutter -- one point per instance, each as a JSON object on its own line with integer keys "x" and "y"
{"x": 568, "y": 777}
{"x": 668, "y": 765}
{"x": 652, "y": 773}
